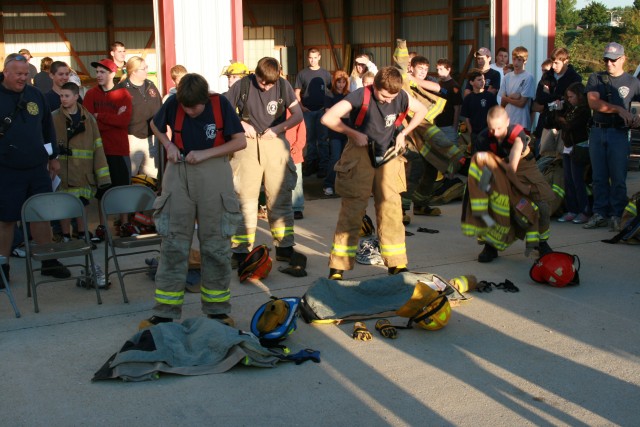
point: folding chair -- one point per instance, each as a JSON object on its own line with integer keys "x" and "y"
{"x": 127, "y": 199}
{"x": 5, "y": 286}
{"x": 49, "y": 207}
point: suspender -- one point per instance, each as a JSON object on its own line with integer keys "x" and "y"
{"x": 217, "y": 115}
{"x": 368, "y": 90}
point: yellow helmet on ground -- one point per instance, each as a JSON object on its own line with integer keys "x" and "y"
{"x": 428, "y": 308}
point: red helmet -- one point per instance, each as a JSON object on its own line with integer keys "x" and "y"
{"x": 256, "y": 265}
{"x": 557, "y": 269}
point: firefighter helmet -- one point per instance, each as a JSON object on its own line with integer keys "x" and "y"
{"x": 557, "y": 269}
{"x": 256, "y": 265}
{"x": 428, "y": 308}
{"x": 235, "y": 69}
{"x": 275, "y": 320}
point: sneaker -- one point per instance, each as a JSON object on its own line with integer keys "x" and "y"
{"x": 54, "y": 268}
{"x": 223, "y": 318}
{"x": 236, "y": 259}
{"x": 369, "y": 252}
{"x": 406, "y": 218}
{"x": 154, "y": 320}
{"x": 335, "y": 274}
{"x": 488, "y": 254}
{"x": 426, "y": 210}
{"x": 284, "y": 254}
{"x": 397, "y": 270}
{"x": 328, "y": 191}
{"x": 65, "y": 239}
{"x": 262, "y": 212}
{"x": 544, "y": 248}
{"x": 19, "y": 252}
{"x": 567, "y": 217}
{"x": 614, "y": 224}
{"x": 100, "y": 234}
{"x": 101, "y": 279}
{"x": 129, "y": 230}
{"x": 580, "y": 219}
{"x": 298, "y": 215}
{"x": 596, "y": 221}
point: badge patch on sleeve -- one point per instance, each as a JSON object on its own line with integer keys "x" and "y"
{"x": 32, "y": 108}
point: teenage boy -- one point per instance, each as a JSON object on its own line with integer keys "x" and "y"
{"x": 197, "y": 187}
{"x": 514, "y": 199}
{"x": 118, "y": 54}
{"x": 449, "y": 119}
{"x": 477, "y": 104}
{"x": 356, "y": 175}
{"x": 311, "y": 87}
{"x": 518, "y": 89}
{"x": 111, "y": 107}
{"x": 492, "y": 79}
{"x": 267, "y": 157}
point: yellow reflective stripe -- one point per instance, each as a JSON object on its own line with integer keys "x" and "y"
{"x": 243, "y": 238}
{"x": 280, "y": 232}
{"x": 545, "y": 235}
{"x": 479, "y": 204}
{"x": 341, "y": 250}
{"x": 425, "y": 150}
{"x": 82, "y": 154}
{"x": 471, "y": 230}
{"x": 496, "y": 243}
{"x": 80, "y": 192}
{"x": 532, "y": 237}
{"x": 390, "y": 250}
{"x": 102, "y": 172}
{"x": 475, "y": 172}
{"x": 500, "y": 204}
{"x": 171, "y": 298}
{"x": 209, "y": 295}
{"x": 632, "y": 208}
{"x": 97, "y": 143}
{"x": 558, "y": 190}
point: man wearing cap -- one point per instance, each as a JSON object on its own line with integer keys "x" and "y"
{"x": 32, "y": 68}
{"x": 610, "y": 95}
{"x": 491, "y": 76}
{"x": 235, "y": 72}
{"x": 111, "y": 106}
{"x": 312, "y": 85}
{"x": 28, "y": 156}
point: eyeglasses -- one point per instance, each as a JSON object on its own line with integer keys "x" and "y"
{"x": 143, "y": 69}
{"x": 613, "y": 61}
{"x": 14, "y": 57}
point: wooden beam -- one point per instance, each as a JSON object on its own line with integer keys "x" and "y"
{"x": 109, "y": 21}
{"x": 249, "y": 13}
{"x": 327, "y": 33}
{"x": 452, "y": 53}
{"x": 80, "y": 30}
{"x": 299, "y": 35}
{"x": 64, "y": 38}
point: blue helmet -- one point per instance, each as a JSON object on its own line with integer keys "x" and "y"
{"x": 275, "y": 320}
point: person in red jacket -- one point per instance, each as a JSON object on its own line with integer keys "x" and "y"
{"x": 297, "y": 137}
{"x": 111, "y": 107}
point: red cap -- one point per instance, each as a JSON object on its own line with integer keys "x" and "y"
{"x": 106, "y": 63}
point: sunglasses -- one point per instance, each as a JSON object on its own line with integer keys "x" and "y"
{"x": 14, "y": 57}
{"x": 613, "y": 61}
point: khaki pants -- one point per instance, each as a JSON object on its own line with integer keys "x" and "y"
{"x": 143, "y": 154}
{"x": 355, "y": 180}
{"x": 189, "y": 192}
{"x": 268, "y": 160}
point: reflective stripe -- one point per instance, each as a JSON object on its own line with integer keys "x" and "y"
{"x": 475, "y": 172}
{"x": 82, "y": 154}
{"x": 532, "y": 237}
{"x": 480, "y": 204}
{"x": 209, "y": 295}
{"x": 558, "y": 190}
{"x": 500, "y": 204}
{"x": 102, "y": 172}
{"x": 390, "y": 250}
{"x": 280, "y": 232}
{"x": 80, "y": 192}
{"x": 632, "y": 209}
{"x": 341, "y": 250}
{"x": 170, "y": 298}
{"x": 545, "y": 235}
{"x": 244, "y": 238}
{"x": 97, "y": 143}
{"x": 498, "y": 244}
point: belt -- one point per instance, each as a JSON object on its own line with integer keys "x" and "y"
{"x": 607, "y": 125}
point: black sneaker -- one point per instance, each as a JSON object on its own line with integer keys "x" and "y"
{"x": 53, "y": 267}
{"x": 544, "y": 248}
{"x": 284, "y": 254}
{"x": 236, "y": 259}
{"x": 154, "y": 320}
{"x": 335, "y": 274}
{"x": 298, "y": 215}
{"x": 488, "y": 254}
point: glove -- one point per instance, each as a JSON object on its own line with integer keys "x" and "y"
{"x": 361, "y": 333}
{"x": 297, "y": 265}
{"x": 304, "y": 355}
{"x": 386, "y": 329}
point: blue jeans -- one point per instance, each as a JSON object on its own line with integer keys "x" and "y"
{"x": 336, "y": 147}
{"x": 317, "y": 148}
{"x": 297, "y": 195}
{"x": 575, "y": 189}
{"x": 609, "y": 150}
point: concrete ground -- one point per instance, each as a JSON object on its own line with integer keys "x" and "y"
{"x": 542, "y": 356}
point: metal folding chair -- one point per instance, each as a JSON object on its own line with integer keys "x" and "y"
{"x": 127, "y": 199}
{"x": 49, "y": 207}
{"x": 5, "y": 286}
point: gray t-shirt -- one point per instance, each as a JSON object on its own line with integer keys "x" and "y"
{"x": 263, "y": 105}
{"x": 314, "y": 85}
{"x": 624, "y": 89}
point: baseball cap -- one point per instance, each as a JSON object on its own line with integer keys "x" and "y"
{"x": 613, "y": 51}
{"x": 235, "y": 69}
{"x": 362, "y": 60}
{"x": 24, "y": 52}
{"x": 106, "y": 63}
{"x": 483, "y": 51}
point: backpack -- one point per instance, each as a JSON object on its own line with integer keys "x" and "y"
{"x": 217, "y": 115}
{"x": 243, "y": 109}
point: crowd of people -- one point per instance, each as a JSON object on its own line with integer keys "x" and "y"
{"x": 357, "y": 133}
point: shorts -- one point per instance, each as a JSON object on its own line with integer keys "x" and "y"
{"x": 17, "y": 186}
{"x": 120, "y": 174}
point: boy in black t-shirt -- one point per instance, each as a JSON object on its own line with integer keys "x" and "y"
{"x": 356, "y": 174}
{"x": 476, "y": 105}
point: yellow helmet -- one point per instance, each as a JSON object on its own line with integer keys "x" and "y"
{"x": 428, "y": 308}
{"x": 435, "y": 316}
{"x": 235, "y": 69}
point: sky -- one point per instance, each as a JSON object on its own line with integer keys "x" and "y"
{"x": 580, "y": 4}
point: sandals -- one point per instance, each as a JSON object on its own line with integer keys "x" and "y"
{"x": 386, "y": 329}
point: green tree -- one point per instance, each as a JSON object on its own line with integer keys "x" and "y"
{"x": 595, "y": 13}
{"x": 636, "y": 4}
{"x": 566, "y": 14}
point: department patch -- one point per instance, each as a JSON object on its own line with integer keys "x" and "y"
{"x": 211, "y": 131}
{"x": 32, "y": 108}
{"x": 483, "y": 103}
{"x": 623, "y": 91}
{"x": 152, "y": 93}
{"x": 390, "y": 120}
{"x": 272, "y": 107}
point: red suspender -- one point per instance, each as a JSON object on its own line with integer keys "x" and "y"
{"x": 365, "y": 106}
{"x": 217, "y": 115}
{"x": 514, "y": 133}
